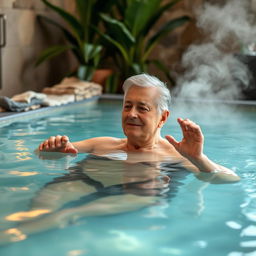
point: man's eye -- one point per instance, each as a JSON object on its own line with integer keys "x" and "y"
{"x": 127, "y": 106}
{"x": 143, "y": 109}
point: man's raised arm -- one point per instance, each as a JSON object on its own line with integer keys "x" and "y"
{"x": 191, "y": 147}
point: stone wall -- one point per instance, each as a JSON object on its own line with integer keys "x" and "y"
{"x": 172, "y": 46}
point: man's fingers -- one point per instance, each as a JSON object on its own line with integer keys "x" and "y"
{"x": 40, "y": 146}
{"x": 58, "y": 141}
{"x": 51, "y": 142}
{"x": 183, "y": 126}
{"x": 189, "y": 126}
{"x": 64, "y": 139}
{"x": 54, "y": 142}
{"x": 71, "y": 150}
{"x": 46, "y": 144}
{"x": 172, "y": 140}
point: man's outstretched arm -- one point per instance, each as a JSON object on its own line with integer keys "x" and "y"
{"x": 62, "y": 144}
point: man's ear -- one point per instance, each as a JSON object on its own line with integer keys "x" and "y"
{"x": 164, "y": 117}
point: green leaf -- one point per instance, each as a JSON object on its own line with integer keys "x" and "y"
{"x": 138, "y": 68}
{"x": 85, "y": 10}
{"x": 138, "y": 14}
{"x": 118, "y": 31}
{"x": 85, "y": 72}
{"x": 164, "y": 69}
{"x": 112, "y": 83}
{"x": 102, "y": 6}
{"x": 51, "y": 52}
{"x": 70, "y": 19}
{"x": 115, "y": 44}
{"x": 171, "y": 25}
{"x": 157, "y": 15}
{"x": 70, "y": 38}
{"x": 91, "y": 51}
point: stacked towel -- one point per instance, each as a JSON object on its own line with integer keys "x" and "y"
{"x": 57, "y": 100}
{"x": 69, "y": 90}
{"x": 74, "y": 86}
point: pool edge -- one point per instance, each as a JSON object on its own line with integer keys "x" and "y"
{"x": 11, "y": 116}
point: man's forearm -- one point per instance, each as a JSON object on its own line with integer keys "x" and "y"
{"x": 204, "y": 164}
{"x": 218, "y": 173}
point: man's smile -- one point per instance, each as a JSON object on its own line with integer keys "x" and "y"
{"x": 132, "y": 124}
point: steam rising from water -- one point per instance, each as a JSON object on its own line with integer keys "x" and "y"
{"x": 233, "y": 19}
{"x": 212, "y": 69}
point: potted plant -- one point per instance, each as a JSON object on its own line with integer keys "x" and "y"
{"x": 127, "y": 38}
{"x": 80, "y": 37}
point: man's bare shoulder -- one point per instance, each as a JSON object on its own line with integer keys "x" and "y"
{"x": 98, "y": 143}
{"x": 107, "y": 139}
{"x": 107, "y": 144}
{"x": 168, "y": 148}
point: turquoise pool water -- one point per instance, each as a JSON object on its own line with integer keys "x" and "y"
{"x": 194, "y": 218}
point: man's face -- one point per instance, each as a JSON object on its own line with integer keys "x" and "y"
{"x": 140, "y": 118}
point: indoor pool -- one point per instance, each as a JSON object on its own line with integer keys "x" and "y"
{"x": 187, "y": 216}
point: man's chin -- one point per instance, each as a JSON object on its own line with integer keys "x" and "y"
{"x": 132, "y": 133}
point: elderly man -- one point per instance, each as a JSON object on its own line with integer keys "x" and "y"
{"x": 145, "y": 111}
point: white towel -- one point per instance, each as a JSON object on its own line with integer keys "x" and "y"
{"x": 57, "y": 100}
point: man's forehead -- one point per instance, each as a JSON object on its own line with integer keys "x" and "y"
{"x": 141, "y": 95}
{"x": 141, "y": 92}
{"x": 138, "y": 102}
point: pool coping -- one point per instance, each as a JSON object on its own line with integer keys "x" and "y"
{"x": 6, "y": 117}
{"x": 10, "y": 116}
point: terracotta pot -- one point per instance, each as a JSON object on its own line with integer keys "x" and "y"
{"x": 100, "y": 76}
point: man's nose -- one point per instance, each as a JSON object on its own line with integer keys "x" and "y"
{"x": 133, "y": 113}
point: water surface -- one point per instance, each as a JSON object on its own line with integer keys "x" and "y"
{"x": 189, "y": 217}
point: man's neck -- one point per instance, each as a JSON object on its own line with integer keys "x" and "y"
{"x": 140, "y": 145}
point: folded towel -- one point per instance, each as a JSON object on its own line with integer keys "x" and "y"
{"x": 57, "y": 100}
{"x": 69, "y": 90}
{"x": 11, "y": 105}
{"x": 28, "y": 96}
{"x": 59, "y": 91}
{"x": 75, "y": 83}
{"x": 72, "y": 85}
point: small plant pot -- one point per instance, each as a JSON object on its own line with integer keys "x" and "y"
{"x": 100, "y": 76}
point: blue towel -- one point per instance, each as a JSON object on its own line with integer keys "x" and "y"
{"x": 14, "y": 106}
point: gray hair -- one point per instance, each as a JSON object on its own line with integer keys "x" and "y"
{"x": 145, "y": 80}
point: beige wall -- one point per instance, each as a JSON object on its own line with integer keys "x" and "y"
{"x": 26, "y": 37}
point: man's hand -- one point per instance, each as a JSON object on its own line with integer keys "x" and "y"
{"x": 58, "y": 144}
{"x": 191, "y": 146}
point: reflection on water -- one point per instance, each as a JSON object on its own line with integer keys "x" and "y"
{"x": 98, "y": 186}
{"x": 18, "y": 188}
{"x": 20, "y": 216}
{"x": 19, "y": 173}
